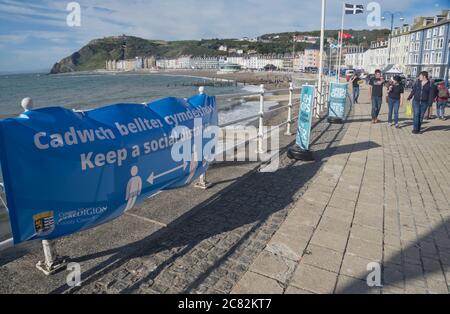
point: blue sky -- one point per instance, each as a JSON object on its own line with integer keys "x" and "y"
{"x": 34, "y": 33}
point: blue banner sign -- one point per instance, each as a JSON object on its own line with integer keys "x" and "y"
{"x": 338, "y": 100}
{"x": 305, "y": 116}
{"x": 67, "y": 171}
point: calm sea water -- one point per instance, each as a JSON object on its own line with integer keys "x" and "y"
{"x": 86, "y": 91}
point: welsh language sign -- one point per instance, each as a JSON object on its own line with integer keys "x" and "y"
{"x": 68, "y": 171}
{"x": 305, "y": 117}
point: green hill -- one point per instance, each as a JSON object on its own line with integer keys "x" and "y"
{"x": 95, "y": 53}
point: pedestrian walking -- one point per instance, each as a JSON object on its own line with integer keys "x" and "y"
{"x": 356, "y": 81}
{"x": 441, "y": 100}
{"x": 376, "y": 92}
{"x": 429, "y": 112}
{"x": 422, "y": 96}
{"x": 395, "y": 99}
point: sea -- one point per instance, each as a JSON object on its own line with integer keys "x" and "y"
{"x": 88, "y": 91}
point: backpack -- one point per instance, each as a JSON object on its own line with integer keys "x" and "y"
{"x": 443, "y": 92}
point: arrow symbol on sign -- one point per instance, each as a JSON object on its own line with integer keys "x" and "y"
{"x": 151, "y": 179}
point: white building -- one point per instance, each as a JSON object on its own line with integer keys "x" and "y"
{"x": 400, "y": 47}
{"x": 355, "y": 60}
{"x": 376, "y": 57}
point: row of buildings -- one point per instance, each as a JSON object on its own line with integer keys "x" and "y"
{"x": 137, "y": 63}
{"x": 302, "y": 60}
{"x": 422, "y": 46}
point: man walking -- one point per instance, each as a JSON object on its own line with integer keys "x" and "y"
{"x": 376, "y": 92}
{"x": 423, "y": 96}
{"x": 356, "y": 80}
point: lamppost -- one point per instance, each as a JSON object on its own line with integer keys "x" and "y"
{"x": 392, "y": 14}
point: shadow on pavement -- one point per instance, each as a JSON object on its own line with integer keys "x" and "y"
{"x": 406, "y": 264}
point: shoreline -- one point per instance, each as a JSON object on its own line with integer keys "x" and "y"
{"x": 271, "y": 80}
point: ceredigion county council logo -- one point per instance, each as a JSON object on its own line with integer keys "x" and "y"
{"x": 44, "y": 223}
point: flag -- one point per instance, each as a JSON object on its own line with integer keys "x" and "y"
{"x": 354, "y": 8}
{"x": 345, "y": 35}
{"x": 333, "y": 46}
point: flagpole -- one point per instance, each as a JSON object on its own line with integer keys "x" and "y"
{"x": 322, "y": 40}
{"x": 341, "y": 43}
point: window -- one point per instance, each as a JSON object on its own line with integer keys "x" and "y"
{"x": 426, "y": 59}
{"x": 441, "y": 30}
{"x": 439, "y": 57}
{"x": 432, "y": 57}
{"x": 429, "y": 33}
{"x": 437, "y": 72}
{"x": 434, "y": 44}
{"x": 417, "y": 36}
{"x": 440, "y": 43}
{"x": 428, "y": 45}
{"x": 435, "y": 32}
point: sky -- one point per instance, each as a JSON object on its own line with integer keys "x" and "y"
{"x": 34, "y": 34}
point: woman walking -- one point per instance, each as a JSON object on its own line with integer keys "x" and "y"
{"x": 395, "y": 99}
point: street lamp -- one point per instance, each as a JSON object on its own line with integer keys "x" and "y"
{"x": 383, "y": 18}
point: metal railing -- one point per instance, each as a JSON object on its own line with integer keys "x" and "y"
{"x": 320, "y": 104}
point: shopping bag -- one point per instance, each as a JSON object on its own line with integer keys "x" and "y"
{"x": 409, "y": 110}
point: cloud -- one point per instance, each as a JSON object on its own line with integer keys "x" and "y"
{"x": 42, "y": 23}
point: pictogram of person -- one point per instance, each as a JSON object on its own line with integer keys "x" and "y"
{"x": 134, "y": 188}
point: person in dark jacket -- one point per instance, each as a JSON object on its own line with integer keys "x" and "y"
{"x": 395, "y": 99}
{"x": 376, "y": 84}
{"x": 422, "y": 95}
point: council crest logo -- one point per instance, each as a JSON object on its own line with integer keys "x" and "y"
{"x": 44, "y": 223}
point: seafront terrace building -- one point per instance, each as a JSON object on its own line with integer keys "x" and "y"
{"x": 400, "y": 46}
{"x": 354, "y": 58}
{"x": 376, "y": 56}
{"x": 429, "y": 46}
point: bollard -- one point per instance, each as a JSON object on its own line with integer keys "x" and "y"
{"x": 289, "y": 119}
{"x": 52, "y": 262}
{"x": 261, "y": 120}
{"x": 27, "y": 104}
{"x": 202, "y": 183}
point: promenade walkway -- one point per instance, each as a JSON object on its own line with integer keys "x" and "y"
{"x": 384, "y": 197}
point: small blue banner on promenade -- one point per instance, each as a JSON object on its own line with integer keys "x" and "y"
{"x": 338, "y": 100}
{"x": 305, "y": 117}
{"x": 68, "y": 171}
